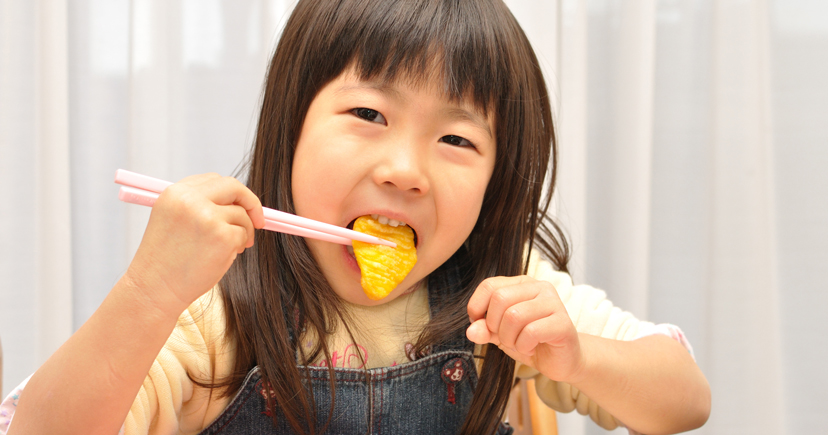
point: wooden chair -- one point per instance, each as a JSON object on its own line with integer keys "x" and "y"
{"x": 527, "y": 414}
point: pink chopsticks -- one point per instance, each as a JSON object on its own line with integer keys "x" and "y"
{"x": 143, "y": 190}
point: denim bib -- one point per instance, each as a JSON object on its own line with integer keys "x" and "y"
{"x": 429, "y": 395}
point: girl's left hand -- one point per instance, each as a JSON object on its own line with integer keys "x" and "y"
{"x": 526, "y": 319}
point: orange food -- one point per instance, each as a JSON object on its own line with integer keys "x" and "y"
{"x": 383, "y": 267}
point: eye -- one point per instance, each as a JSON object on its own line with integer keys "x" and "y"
{"x": 369, "y": 115}
{"x": 456, "y": 141}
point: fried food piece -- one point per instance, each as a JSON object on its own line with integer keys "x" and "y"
{"x": 383, "y": 267}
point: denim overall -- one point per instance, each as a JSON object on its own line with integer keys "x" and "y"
{"x": 429, "y": 395}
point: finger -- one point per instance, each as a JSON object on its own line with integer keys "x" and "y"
{"x": 506, "y": 297}
{"x": 228, "y": 190}
{"x": 222, "y": 191}
{"x": 518, "y": 316}
{"x": 515, "y": 355}
{"x": 550, "y": 330}
{"x": 236, "y": 216}
{"x": 478, "y": 333}
{"x": 479, "y": 302}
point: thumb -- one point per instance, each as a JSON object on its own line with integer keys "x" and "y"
{"x": 478, "y": 333}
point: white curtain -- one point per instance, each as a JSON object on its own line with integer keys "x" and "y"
{"x": 693, "y": 137}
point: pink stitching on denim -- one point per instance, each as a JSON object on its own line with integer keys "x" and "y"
{"x": 384, "y": 373}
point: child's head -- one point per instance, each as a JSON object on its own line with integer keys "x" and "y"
{"x": 472, "y": 52}
{"x": 349, "y": 78}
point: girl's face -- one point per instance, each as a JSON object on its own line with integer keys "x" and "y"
{"x": 396, "y": 150}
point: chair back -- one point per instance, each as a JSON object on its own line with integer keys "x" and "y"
{"x": 527, "y": 414}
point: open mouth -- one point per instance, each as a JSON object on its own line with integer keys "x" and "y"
{"x": 386, "y": 221}
{"x": 383, "y": 268}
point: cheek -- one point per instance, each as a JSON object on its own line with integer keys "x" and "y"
{"x": 462, "y": 200}
{"x": 314, "y": 186}
{"x": 314, "y": 172}
{"x": 306, "y": 182}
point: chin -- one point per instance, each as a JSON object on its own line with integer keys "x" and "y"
{"x": 355, "y": 295}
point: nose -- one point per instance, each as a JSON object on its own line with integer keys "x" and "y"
{"x": 404, "y": 167}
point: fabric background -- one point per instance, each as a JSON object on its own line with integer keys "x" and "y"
{"x": 693, "y": 135}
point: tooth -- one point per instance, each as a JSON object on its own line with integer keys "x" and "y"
{"x": 402, "y": 223}
{"x": 383, "y": 220}
{"x": 393, "y": 222}
{"x": 374, "y": 216}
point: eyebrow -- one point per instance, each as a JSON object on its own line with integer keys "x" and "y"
{"x": 456, "y": 113}
{"x": 382, "y": 88}
{"x": 464, "y": 115}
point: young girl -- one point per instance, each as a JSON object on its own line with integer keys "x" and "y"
{"x": 433, "y": 113}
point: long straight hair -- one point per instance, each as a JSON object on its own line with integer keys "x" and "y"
{"x": 275, "y": 290}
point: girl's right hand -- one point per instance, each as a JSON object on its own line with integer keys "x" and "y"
{"x": 196, "y": 229}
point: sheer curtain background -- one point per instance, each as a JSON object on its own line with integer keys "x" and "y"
{"x": 693, "y": 135}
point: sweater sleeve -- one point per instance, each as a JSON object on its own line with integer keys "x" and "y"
{"x": 594, "y": 314}
{"x": 169, "y": 401}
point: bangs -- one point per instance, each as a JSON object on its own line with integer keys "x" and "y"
{"x": 449, "y": 41}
